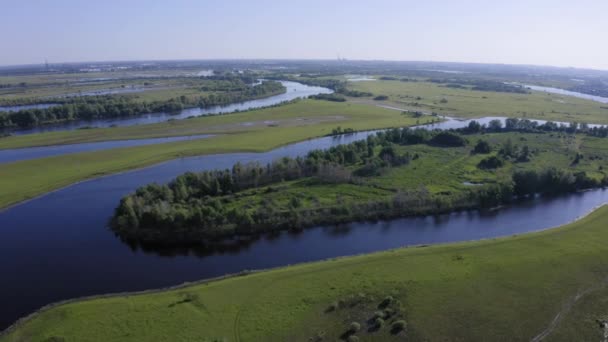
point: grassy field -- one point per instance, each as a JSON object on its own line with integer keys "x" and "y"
{"x": 440, "y": 170}
{"x": 319, "y": 116}
{"x": 425, "y": 96}
{"x": 507, "y": 289}
{"x": 291, "y": 123}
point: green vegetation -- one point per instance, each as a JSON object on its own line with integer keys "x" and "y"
{"x": 291, "y": 123}
{"x": 111, "y": 106}
{"x": 480, "y": 85}
{"x": 329, "y": 97}
{"x": 468, "y": 103}
{"x": 473, "y": 291}
{"x": 350, "y": 183}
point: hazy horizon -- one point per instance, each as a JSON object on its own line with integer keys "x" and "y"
{"x": 536, "y": 32}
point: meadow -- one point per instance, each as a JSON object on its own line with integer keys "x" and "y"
{"x": 380, "y": 178}
{"x": 465, "y": 103}
{"x": 472, "y": 291}
{"x": 290, "y": 123}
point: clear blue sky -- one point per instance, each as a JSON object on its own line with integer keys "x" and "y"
{"x": 547, "y": 32}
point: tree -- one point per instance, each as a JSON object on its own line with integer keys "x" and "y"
{"x": 482, "y": 147}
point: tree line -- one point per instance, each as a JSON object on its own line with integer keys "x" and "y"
{"x": 200, "y": 206}
{"x": 112, "y": 106}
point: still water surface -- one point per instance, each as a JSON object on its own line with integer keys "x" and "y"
{"x": 58, "y": 246}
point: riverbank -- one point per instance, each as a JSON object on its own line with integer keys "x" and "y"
{"x": 466, "y": 103}
{"x": 490, "y": 284}
{"x": 397, "y": 173}
{"x": 290, "y": 123}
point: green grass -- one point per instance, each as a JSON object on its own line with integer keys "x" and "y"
{"x": 438, "y": 169}
{"x": 23, "y": 180}
{"x": 475, "y": 104}
{"x": 320, "y": 116}
{"x": 506, "y": 289}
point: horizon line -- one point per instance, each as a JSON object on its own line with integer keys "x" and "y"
{"x": 5, "y": 66}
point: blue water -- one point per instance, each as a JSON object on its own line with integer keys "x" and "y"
{"x": 568, "y": 93}
{"x": 58, "y": 246}
{"x": 8, "y": 156}
{"x": 24, "y": 107}
{"x": 294, "y": 90}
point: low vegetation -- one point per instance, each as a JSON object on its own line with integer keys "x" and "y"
{"x": 350, "y": 183}
{"x": 293, "y": 122}
{"x": 112, "y": 106}
{"x": 433, "y": 293}
{"x": 465, "y": 102}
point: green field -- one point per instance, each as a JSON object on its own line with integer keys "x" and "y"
{"x": 291, "y": 123}
{"x": 426, "y": 96}
{"x": 507, "y": 289}
{"x": 416, "y": 179}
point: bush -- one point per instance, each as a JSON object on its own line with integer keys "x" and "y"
{"x": 398, "y": 326}
{"x": 381, "y": 98}
{"x": 354, "y": 327}
{"x": 492, "y": 162}
{"x": 482, "y": 147}
{"x": 448, "y": 139}
{"x": 332, "y": 307}
{"x": 352, "y": 338}
{"x": 378, "y": 323}
{"x": 378, "y": 314}
{"x": 386, "y": 302}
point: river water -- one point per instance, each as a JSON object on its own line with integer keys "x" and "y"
{"x": 294, "y": 90}
{"x": 568, "y": 93}
{"x": 24, "y": 107}
{"x": 13, "y": 155}
{"x": 58, "y": 246}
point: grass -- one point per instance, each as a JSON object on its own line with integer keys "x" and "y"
{"x": 299, "y": 121}
{"x": 438, "y": 169}
{"x": 425, "y": 96}
{"x": 499, "y": 289}
{"x": 320, "y": 116}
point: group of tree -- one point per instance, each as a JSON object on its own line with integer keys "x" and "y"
{"x": 193, "y": 199}
{"x": 116, "y": 106}
{"x": 480, "y": 85}
{"x": 203, "y": 206}
{"x": 329, "y": 97}
{"x": 530, "y": 126}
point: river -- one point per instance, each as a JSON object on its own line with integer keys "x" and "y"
{"x": 18, "y": 154}
{"x": 12, "y": 155}
{"x": 294, "y": 90}
{"x": 567, "y": 93}
{"x": 58, "y": 246}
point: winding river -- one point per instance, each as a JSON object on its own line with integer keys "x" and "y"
{"x": 18, "y": 154}
{"x": 58, "y": 246}
{"x": 559, "y": 91}
{"x": 12, "y": 155}
{"x": 294, "y": 90}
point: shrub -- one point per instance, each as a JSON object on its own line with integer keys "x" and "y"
{"x": 378, "y": 323}
{"x": 448, "y": 139}
{"x": 378, "y": 314}
{"x": 332, "y": 307}
{"x": 352, "y": 338}
{"x": 492, "y": 162}
{"x": 381, "y": 98}
{"x": 482, "y": 147}
{"x": 386, "y": 302}
{"x": 398, "y": 326}
{"x": 354, "y": 327}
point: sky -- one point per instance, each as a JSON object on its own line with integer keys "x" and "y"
{"x": 541, "y": 32}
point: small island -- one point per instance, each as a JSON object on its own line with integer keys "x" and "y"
{"x": 378, "y": 178}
